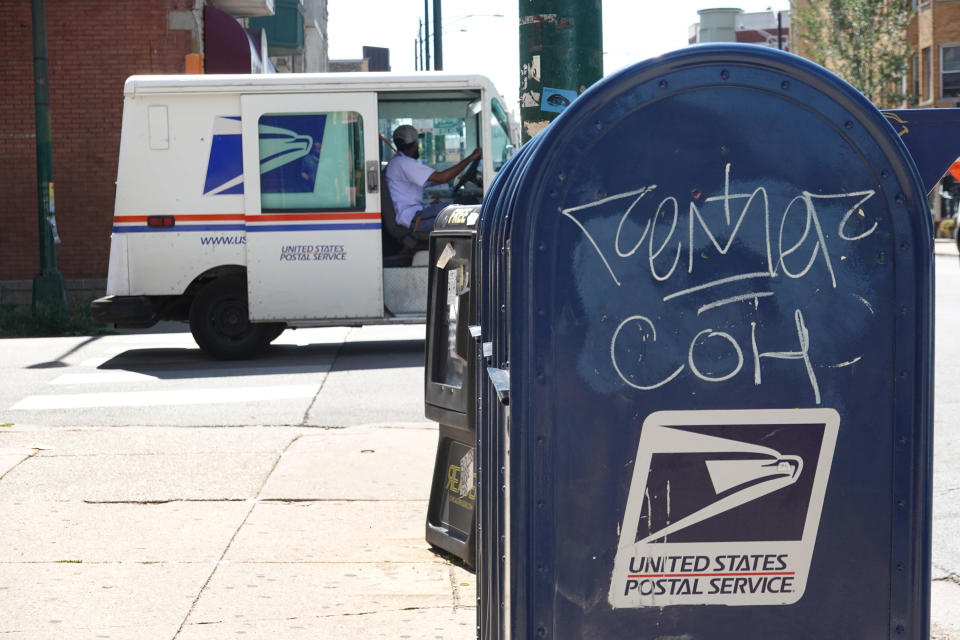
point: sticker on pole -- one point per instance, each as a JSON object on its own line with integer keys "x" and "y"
{"x": 724, "y": 507}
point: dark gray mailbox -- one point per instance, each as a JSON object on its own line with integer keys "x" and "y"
{"x": 706, "y": 326}
{"x": 450, "y": 387}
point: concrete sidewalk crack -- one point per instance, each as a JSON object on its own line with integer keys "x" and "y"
{"x": 455, "y": 587}
{"x": 950, "y": 577}
{"x": 253, "y": 505}
{"x": 47, "y": 453}
{"x": 346, "y": 614}
{"x": 159, "y": 501}
{"x": 333, "y": 363}
{"x": 168, "y": 501}
{"x": 8, "y": 471}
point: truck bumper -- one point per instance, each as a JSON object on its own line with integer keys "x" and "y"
{"x": 124, "y": 311}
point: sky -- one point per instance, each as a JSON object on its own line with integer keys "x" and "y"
{"x": 482, "y": 37}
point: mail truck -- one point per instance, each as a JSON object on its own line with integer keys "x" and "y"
{"x": 247, "y": 204}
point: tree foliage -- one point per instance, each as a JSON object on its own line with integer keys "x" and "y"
{"x": 863, "y": 41}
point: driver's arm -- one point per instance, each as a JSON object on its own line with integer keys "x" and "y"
{"x": 452, "y": 172}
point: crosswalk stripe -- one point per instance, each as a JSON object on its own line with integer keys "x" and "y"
{"x": 166, "y": 398}
{"x": 105, "y": 377}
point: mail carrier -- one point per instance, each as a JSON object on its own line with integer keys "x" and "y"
{"x": 248, "y": 204}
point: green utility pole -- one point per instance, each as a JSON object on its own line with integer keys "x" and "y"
{"x": 48, "y": 290}
{"x": 561, "y": 54}
{"x": 437, "y": 36}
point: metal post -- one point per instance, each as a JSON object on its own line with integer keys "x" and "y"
{"x": 48, "y": 290}
{"x": 561, "y": 54}
{"x": 426, "y": 33}
{"x": 437, "y": 37}
{"x": 420, "y": 43}
{"x": 779, "y": 30}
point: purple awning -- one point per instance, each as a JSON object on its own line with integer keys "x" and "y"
{"x": 228, "y": 47}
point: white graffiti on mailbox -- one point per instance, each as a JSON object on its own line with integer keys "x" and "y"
{"x": 793, "y": 244}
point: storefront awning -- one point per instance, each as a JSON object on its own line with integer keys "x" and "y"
{"x": 229, "y": 48}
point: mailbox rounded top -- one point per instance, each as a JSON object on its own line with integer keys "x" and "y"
{"x": 692, "y": 199}
{"x": 696, "y": 120}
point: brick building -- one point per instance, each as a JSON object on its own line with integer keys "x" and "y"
{"x": 934, "y": 76}
{"x": 93, "y": 46}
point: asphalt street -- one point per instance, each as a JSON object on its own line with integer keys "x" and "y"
{"x": 309, "y": 377}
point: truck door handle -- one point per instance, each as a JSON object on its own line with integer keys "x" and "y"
{"x": 373, "y": 176}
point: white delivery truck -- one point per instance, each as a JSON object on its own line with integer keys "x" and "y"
{"x": 247, "y": 204}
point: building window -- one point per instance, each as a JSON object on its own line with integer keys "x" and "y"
{"x": 914, "y": 78}
{"x": 927, "y": 86}
{"x": 311, "y": 161}
{"x": 950, "y": 71}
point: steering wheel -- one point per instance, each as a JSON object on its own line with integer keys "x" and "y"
{"x": 470, "y": 174}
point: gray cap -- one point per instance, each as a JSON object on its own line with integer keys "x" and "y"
{"x": 404, "y": 135}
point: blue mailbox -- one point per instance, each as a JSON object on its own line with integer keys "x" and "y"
{"x": 705, "y": 306}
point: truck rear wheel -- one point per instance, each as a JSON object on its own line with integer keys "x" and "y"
{"x": 220, "y": 321}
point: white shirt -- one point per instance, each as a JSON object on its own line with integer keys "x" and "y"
{"x": 405, "y": 179}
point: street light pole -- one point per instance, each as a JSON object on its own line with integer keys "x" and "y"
{"x": 48, "y": 290}
{"x": 426, "y": 34}
{"x": 780, "y": 30}
{"x": 418, "y": 47}
{"x": 437, "y": 37}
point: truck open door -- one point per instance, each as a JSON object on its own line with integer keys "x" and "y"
{"x": 312, "y": 200}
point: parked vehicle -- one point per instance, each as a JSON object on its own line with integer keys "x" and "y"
{"x": 247, "y": 204}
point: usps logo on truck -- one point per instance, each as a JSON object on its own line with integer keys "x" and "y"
{"x": 284, "y": 141}
{"x": 724, "y": 507}
{"x": 224, "y": 174}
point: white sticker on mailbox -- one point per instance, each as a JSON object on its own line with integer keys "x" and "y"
{"x": 724, "y": 507}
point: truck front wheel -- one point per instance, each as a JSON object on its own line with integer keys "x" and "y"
{"x": 220, "y": 321}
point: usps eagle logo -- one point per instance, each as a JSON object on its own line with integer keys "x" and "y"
{"x": 280, "y": 148}
{"x": 724, "y": 507}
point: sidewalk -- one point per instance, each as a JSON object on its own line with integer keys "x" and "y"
{"x": 257, "y": 532}
{"x": 945, "y": 247}
{"x": 195, "y": 534}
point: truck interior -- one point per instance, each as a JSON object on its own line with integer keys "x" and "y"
{"x": 451, "y": 128}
